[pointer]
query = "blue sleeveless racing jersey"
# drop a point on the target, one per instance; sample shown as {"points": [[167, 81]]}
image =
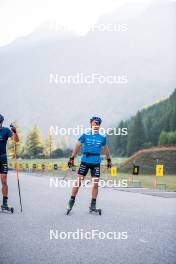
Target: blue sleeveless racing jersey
{"points": [[5, 133], [92, 144]]}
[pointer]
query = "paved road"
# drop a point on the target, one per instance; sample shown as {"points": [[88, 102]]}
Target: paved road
{"points": [[150, 223], [147, 191]]}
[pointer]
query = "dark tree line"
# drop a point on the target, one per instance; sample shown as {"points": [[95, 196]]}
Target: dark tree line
{"points": [[35, 146], [149, 127]]}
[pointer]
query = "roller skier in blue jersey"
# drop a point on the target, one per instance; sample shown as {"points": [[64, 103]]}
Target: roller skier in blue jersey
{"points": [[91, 143], [5, 134]]}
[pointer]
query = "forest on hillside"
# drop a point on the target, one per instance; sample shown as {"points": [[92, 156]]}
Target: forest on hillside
{"points": [[153, 126]]}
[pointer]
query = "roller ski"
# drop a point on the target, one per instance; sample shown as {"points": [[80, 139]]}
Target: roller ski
{"points": [[70, 205], [93, 208], [6, 208]]}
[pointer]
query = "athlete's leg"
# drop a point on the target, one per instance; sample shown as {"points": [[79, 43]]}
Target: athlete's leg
{"points": [[95, 173], [83, 169], [77, 184], [4, 188], [3, 173], [82, 172], [95, 181], [75, 189], [4, 184]]}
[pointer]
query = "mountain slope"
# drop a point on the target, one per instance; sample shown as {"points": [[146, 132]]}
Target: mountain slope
{"points": [[148, 158], [153, 120], [145, 53]]}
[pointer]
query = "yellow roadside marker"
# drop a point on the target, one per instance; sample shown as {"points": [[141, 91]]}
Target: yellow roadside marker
{"points": [[30, 166], [64, 167], [24, 166], [113, 171], [135, 170], [160, 170], [43, 166], [50, 166], [39, 166]]}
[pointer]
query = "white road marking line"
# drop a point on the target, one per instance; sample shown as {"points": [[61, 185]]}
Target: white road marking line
{"points": [[143, 240]]}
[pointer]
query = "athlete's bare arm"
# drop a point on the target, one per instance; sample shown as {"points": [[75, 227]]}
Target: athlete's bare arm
{"points": [[76, 149], [106, 151], [15, 137], [14, 133]]}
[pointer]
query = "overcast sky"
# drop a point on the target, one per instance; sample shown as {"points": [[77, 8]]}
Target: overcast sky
{"points": [[21, 17]]}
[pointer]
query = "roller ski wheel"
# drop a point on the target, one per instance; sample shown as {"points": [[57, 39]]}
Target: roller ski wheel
{"points": [[68, 211], [95, 210], [7, 209], [70, 206]]}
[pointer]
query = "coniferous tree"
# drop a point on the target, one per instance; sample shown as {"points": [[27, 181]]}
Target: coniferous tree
{"points": [[136, 137], [172, 120], [163, 139], [49, 146], [20, 144], [34, 145]]}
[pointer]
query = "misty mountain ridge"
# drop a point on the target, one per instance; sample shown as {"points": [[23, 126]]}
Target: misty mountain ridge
{"points": [[144, 52]]}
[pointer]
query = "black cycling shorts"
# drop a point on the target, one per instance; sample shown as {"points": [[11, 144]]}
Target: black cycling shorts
{"points": [[3, 167], [94, 169]]}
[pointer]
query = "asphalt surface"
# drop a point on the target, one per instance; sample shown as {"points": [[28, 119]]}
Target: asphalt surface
{"points": [[31, 237], [153, 192]]}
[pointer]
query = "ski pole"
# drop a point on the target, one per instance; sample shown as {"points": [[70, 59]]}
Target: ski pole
{"points": [[17, 175]]}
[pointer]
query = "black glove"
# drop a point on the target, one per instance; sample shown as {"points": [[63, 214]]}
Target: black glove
{"points": [[71, 162], [109, 163], [13, 128]]}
